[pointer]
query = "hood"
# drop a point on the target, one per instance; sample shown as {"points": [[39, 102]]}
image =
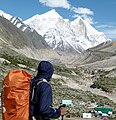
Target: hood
{"points": [[45, 70]]}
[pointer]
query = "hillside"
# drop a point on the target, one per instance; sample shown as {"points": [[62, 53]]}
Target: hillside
{"points": [[68, 83], [28, 43], [102, 55], [100, 63]]}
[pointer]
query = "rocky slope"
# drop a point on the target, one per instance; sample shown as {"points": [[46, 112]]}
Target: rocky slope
{"points": [[26, 43], [103, 55]]}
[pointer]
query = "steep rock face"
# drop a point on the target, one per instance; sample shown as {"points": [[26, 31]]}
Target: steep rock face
{"points": [[12, 36], [28, 43], [64, 35], [35, 39]]}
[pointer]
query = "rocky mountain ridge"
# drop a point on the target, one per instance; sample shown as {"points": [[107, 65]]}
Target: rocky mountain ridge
{"points": [[30, 44], [62, 35]]}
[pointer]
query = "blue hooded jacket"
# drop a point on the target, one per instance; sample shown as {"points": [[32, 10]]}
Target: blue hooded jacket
{"points": [[42, 100]]}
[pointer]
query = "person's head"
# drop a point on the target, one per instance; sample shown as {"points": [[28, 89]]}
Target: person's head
{"points": [[45, 70]]}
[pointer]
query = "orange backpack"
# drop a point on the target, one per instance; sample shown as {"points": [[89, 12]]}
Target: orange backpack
{"points": [[16, 92]]}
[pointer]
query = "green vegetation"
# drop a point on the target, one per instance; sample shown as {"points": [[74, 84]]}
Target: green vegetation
{"points": [[15, 60], [82, 100], [62, 70], [106, 83], [77, 96], [67, 72]]}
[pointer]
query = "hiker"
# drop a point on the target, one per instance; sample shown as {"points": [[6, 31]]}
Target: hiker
{"points": [[41, 105]]}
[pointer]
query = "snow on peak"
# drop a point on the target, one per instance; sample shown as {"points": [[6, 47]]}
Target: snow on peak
{"points": [[78, 19], [5, 15], [52, 13], [60, 33], [41, 23]]}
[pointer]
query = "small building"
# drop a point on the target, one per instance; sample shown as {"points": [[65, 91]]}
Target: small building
{"points": [[67, 102], [87, 115]]}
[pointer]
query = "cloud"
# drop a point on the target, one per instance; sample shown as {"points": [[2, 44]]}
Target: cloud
{"points": [[106, 26], [84, 13], [56, 3], [85, 17], [81, 10], [109, 30], [88, 19]]}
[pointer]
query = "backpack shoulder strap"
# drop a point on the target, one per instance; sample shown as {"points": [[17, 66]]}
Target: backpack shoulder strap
{"points": [[33, 89], [40, 81]]}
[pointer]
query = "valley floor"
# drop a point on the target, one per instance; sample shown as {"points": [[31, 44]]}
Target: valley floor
{"points": [[85, 86]]}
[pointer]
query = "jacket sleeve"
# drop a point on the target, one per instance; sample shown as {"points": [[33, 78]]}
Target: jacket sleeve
{"points": [[45, 102]]}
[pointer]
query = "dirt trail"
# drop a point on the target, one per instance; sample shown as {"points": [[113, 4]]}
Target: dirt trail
{"points": [[85, 86]]}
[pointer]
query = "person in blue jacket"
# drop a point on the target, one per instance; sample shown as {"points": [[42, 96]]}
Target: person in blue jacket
{"points": [[41, 104]]}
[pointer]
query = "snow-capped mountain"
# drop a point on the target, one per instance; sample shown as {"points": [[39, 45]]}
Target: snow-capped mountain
{"points": [[65, 35], [15, 21], [61, 34]]}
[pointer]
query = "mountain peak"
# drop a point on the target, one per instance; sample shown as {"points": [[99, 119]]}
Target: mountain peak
{"points": [[52, 13], [77, 35], [68, 36], [78, 20]]}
